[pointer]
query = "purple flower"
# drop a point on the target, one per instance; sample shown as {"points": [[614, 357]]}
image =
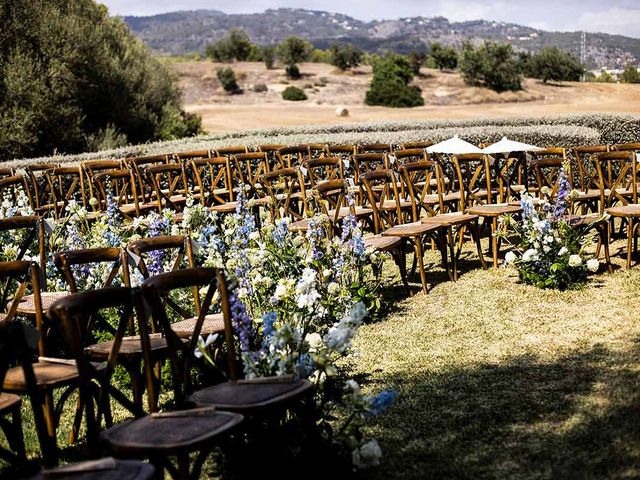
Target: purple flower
{"points": [[241, 322], [564, 188]]}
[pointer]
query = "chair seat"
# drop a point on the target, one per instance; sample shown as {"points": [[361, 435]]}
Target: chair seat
{"points": [[391, 204], [244, 395], [632, 210], [8, 400], [580, 220], [381, 243], [229, 207], [27, 305], [156, 433], [130, 347], [450, 219], [411, 229], [48, 374], [212, 324], [494, 210], [591, 194], [103, 469], [300, 225], [344, 211]]}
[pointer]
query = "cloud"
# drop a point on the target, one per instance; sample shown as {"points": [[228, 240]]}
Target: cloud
{"points": [[621, 21]]}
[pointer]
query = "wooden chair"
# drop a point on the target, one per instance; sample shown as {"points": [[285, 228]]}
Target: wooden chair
{"points": [[72, 264], [292, 156], [66, 185], [7, 172], [318, 170], [157, 436], [39, 186], [230, 151], [392, 216], [585, 165], [11, 187], [269, 151], [120, 185], [213, 183], [375, 148], [192, 155], [249, 397], [286, 190], [344, 153], [90, 168], [477, 192], [170, 185], [398, 158], [419, 176], [144, 184], [618, 182], [245, 171]]}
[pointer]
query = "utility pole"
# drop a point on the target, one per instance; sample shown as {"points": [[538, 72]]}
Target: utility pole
{"points": [[583, 54]]}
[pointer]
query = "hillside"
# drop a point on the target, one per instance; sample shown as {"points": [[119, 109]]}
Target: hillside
{"points": [[191, 31]]}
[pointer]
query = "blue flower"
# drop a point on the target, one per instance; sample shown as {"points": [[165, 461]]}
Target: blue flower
{"points": [[382, 401], [268, 320], [241, 322]]}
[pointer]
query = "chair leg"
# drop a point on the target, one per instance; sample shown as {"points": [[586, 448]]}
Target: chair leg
{"points": [[475, 233], [629, 241], [494, 241], [604, 240], [400, 258], [417, 242], [17, 442]]}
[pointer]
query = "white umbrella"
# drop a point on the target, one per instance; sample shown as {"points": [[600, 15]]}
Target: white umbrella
{"points": [[454, 146], [508, 146]]}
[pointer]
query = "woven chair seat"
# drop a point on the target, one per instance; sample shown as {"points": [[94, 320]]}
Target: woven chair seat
{"points": [[632, 210], [212, 324], [344, 211], [380, 243], [48, 374], [156, 433], [494, 210], [244, 395], [411, 229], [27, 304], [448, 219], [103, 469], [8, 400], [130, 346]]}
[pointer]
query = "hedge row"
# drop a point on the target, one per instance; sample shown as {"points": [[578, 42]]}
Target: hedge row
{"points": [[568, 130]]}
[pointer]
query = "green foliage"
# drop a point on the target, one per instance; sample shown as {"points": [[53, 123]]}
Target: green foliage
{"points": [[294, 94], [553, 64], [390, 85], [68, 71], [630, 74], [294, 50], [492, 65], [604, 77], [293, 72], [268, 56], [445, 58], [320, 56], [260, 88], [345, 56], [416, 60], [227, 78], [235, 46]]}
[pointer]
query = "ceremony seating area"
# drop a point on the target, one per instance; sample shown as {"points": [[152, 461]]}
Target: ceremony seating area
{"points": [[407, 201]]}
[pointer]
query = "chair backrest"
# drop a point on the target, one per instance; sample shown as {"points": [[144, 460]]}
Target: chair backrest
{"points": [[170, 185], [474, 179], [617, 178], [584, 159], [375, 148], [332, 196], [318, 170], [270, 150], [368, 162], [120, 185], [286, 188], [382, 187], [547, 167], [626, 147], [245, 169], [400, 157], [509, 174], [66, 184], [33, 236], [158, 247], [212, 180], [69, 262], [89, 168], [229, 151], [11, 187], [39, 186], [156, 292], [417, 144], [292, 156], [184, 156], [144, 184], [419, 179]]}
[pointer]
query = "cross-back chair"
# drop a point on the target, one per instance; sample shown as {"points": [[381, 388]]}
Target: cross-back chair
{"points": [[375, 148], [89, 169], [318, 170], [144, 184], [39, 186], [292, 156], [66, 185], [11, 187], [585, 159], [213, 183], [120, 186], [245, 171], [286, 191], [170, 185]]}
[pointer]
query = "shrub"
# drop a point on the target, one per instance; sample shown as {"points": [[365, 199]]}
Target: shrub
{"points": [[416, 60], [345, 56], [553, 64], [630, 75], [68, 71], [294, 50], [260, 88], [235, 46], [444, 57], [390, 85], [604, 77], [227, 78], [268, 56], [294, 94], [492, 65]]}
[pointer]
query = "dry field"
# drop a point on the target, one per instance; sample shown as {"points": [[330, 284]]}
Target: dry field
{"points": [[446, 97]]}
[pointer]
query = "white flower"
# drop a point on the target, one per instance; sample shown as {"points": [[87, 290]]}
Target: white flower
{"points": [[314, 340], [333, 288], [530, 255], [204, 344], [544, 190], [548, 239], [563, 251], [575, 261], [326, 273], [368, 455], [510, 257], [593, 265], [93, 201], [254, 236]]}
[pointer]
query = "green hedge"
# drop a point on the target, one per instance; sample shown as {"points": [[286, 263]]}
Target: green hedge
{"points": [[567, 130]]}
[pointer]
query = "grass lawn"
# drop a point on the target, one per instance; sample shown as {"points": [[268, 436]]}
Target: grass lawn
{"points": [[502, 380], [499, 380]]}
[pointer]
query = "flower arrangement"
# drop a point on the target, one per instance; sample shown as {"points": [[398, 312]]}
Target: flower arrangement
{"points": [[549, 253]]}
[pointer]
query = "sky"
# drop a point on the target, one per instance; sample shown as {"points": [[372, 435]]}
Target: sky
{"points": [[609, 16]]}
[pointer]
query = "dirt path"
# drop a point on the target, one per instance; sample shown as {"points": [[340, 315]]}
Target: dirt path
{"points": [[445, 94]]}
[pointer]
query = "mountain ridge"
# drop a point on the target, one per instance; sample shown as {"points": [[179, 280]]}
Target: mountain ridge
{"points": [[187, 31]]}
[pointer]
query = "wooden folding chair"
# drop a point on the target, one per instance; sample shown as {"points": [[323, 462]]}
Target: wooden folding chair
{"points": [[170, 185], [584, 159], [286, 190], [66, 186], [292, 156], [39, 187], [144, 184], [120, 185]]}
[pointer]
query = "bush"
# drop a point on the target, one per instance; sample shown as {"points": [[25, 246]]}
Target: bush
{"points": [[260, 88], [345, 56], [492, 65], [69, 72], [268, 56], [235, 46], [390, 85], [630, 75], [604, 77], [444, 57], [227, 78], [553, 64], [294, 94], [294, 50], [416, 60]]}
